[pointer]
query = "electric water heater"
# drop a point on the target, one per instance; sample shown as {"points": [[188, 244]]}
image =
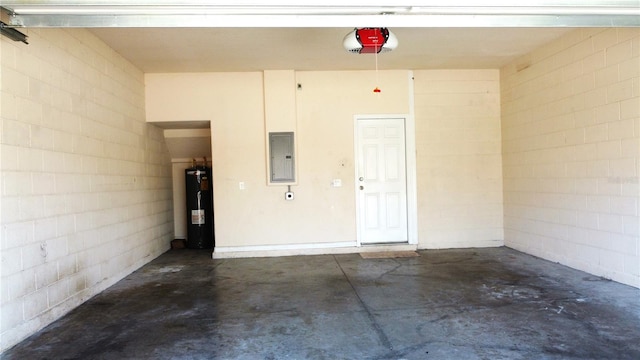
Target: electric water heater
{"points": [[200, 234]]}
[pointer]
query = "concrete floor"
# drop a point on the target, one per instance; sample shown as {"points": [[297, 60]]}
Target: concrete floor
{"points": [[451, 304]]}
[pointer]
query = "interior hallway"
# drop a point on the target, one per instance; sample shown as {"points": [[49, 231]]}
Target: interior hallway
{"points": [[492, 303]]}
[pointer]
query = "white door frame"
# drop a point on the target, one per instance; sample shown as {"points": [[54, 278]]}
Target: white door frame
{"points": [[410, 158]]}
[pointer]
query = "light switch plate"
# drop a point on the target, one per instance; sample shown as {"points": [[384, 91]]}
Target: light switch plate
{"points": [[241, 185], [336, 182]]}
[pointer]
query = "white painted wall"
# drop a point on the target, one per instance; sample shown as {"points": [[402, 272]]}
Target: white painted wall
{"points": [[570, 115], [459, 158], [85, 182]]}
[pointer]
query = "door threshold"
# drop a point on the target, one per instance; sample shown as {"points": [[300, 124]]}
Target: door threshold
{"points": [[379, 247], [386, 243]]}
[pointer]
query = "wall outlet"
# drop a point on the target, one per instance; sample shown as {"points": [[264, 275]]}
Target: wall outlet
{"points": [[288, 195]]}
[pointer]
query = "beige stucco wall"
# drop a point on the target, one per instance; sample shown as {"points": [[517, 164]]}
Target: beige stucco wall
{"points": [[325, 106], [457, 137]]}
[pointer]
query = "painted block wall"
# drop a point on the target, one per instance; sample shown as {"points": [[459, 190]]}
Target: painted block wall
{"points": [[85, 181], [570, 129], [458, 143]]}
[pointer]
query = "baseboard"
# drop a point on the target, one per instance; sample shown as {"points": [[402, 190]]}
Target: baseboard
{"points": [[305, 249]]}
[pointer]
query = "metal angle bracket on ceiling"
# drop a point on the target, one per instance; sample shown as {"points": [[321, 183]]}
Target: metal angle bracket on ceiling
{"points": [[9, 30], [12, 33]]}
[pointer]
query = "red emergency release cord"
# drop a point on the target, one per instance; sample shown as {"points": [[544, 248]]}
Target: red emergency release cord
{"points": [[377, 89]]}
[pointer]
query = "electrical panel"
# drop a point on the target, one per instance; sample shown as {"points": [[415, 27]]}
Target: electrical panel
{"points": [[281, 152]]}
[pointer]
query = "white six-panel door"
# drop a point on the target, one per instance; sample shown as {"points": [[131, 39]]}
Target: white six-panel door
{"points": [[381, 185]]}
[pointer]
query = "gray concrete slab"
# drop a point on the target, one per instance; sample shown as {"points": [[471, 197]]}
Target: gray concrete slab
{"points": [[446, 304]]}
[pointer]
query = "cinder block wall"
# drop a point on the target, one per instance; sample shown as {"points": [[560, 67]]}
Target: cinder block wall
{"points": [[459, 158], [570, 133], [86, 183]]}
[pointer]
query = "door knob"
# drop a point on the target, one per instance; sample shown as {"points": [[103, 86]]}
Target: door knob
{"points": [[361, 187]]}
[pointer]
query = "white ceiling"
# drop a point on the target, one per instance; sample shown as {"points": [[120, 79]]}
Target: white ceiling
{"points": [[159, 50]]}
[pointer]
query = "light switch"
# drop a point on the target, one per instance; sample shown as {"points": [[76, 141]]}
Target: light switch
{"points": [[336, 182], [241, 185]]}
